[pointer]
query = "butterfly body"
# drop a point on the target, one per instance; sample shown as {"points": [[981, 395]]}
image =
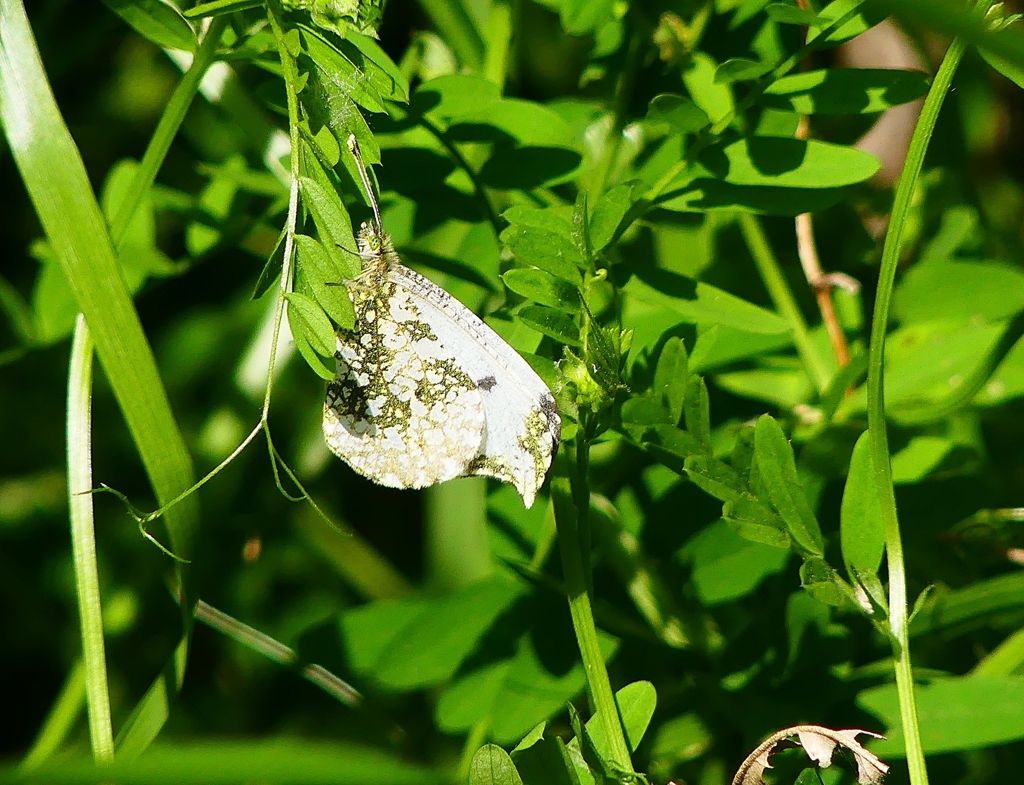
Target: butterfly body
{"points": [[425, 391]]}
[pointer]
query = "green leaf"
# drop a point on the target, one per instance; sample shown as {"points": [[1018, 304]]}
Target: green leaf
{"points": [[307, 317], [921, 456], [156, 21], [755, 522], [716, 478], [738, 69], [375, 64], [585, 746], [492, 766], [975, 605], [54, 306], [713, 98], [671, 376], [608, 213], [514, 120], [636, 703], [697, 412], [951, 289], [272, 269], [406, 644], [1008, 68], [543, 288], [727, 566], [324, 279], [788, 163], [339, 71], [528, 167], [705, 195], [845, 90], [672, 446], [954, 714], [775, 461], [860, 519], [580, 17], [696, 302], [456, 95], [860, 21], [787, 14], [682, 114], [825, 585], [514, 693], [344, 16], [333, 225], [536, 734], [219, 7], [785, 387], [533, 247], [643, 411], [327, 103], [551, 323]]}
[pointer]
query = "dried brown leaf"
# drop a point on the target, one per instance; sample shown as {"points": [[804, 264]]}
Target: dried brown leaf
{"points": [[820, 744]]}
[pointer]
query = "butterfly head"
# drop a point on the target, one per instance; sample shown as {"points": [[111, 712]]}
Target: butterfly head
{"points": [[375, 245]]}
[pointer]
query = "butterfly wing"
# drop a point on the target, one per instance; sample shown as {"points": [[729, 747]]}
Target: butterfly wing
{"points": [[522, 423], [402, 410]]}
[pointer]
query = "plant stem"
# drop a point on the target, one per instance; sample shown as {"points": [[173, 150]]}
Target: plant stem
{"points": [[174, 114], [277, 652], [83, 543], [876, 409], [568, 518], [291, 79], [782, 297]]}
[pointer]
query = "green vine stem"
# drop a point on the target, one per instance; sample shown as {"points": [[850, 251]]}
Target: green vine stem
{"points": [[782, 297], [876, 409], [291, 79], [83, 543], [565, 494], [170, 121]]}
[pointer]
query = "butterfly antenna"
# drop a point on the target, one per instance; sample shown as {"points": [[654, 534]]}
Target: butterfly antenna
{"points": [[353, 147]]}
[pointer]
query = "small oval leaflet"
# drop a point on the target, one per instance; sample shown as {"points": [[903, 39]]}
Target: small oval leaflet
{"points": [[425, 391]]}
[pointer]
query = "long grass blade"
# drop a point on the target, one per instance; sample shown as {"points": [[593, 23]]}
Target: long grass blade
{"points": [[55, 177]]}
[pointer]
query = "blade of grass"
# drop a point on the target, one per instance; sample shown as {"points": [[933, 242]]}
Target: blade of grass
{"points": [[878, 435], [55, 178], [83, 543], [59, 722]]}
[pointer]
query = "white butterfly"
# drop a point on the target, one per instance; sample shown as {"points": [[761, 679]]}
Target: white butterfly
{"points": [[425, 391]]}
